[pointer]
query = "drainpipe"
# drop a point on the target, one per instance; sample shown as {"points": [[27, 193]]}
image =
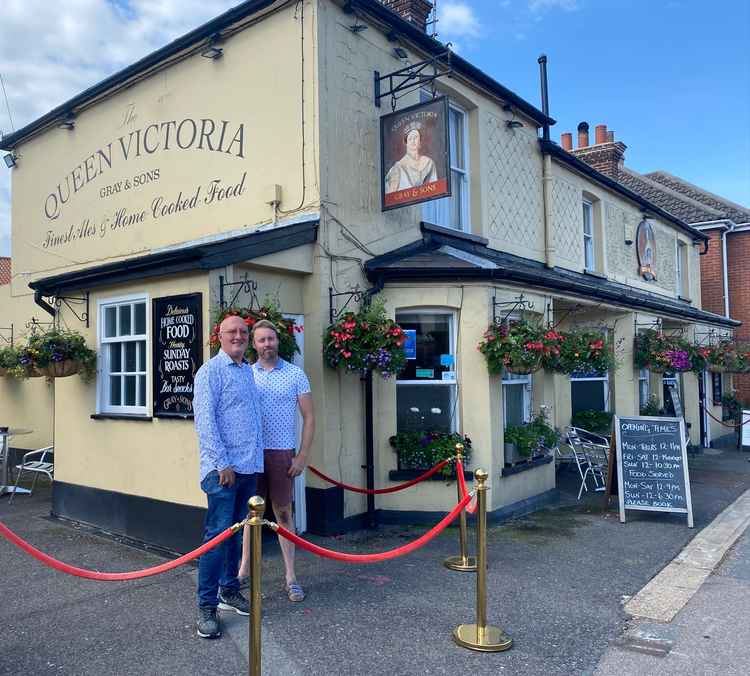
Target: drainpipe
{"points": [[725, 266], [549, 248]]}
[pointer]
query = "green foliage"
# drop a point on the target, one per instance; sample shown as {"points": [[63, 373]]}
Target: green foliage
{"points": [[593, 421], [658, 352], [366, 340], [516, 346], [732, 407], [523, 347], [651, 407], [423, 450], [528, 437], [44, 350], [286, 329]]}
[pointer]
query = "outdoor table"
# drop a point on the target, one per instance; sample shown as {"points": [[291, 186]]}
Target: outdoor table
{"points": [[5, 486]]}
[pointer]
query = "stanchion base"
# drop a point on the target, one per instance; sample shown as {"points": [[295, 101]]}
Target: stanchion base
{"points": [[467, 565], [492, 640]]}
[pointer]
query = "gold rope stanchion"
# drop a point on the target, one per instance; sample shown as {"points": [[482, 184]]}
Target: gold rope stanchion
{"points": [[481, 636], [462, 562], [257, 507]]}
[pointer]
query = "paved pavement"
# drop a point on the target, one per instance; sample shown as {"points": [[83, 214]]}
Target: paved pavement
{"points": [[558, 580]]}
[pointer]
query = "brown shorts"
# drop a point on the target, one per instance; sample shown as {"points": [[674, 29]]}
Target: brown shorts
{"points": [[275, 483]]}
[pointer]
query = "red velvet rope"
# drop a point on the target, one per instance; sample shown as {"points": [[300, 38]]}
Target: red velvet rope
{"points": [[380, 491], [472, 507], [380, 556], [721, 422], [111, 577]]}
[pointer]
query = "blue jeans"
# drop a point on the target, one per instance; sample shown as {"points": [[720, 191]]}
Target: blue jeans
{"points": [[226, 506]]}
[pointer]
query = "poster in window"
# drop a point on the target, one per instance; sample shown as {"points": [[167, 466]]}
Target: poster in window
{"points": [[415, 154], [178, 353]]}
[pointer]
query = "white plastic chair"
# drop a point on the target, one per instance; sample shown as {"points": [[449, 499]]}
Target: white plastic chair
{"points": [[38, 462]]}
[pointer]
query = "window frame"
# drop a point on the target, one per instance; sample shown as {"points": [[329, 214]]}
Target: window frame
{"points": [[644, 378], [527, 383], [103, 371], [452, 337], [681, 272], [589, 237], [428, 208], [605, 383]]}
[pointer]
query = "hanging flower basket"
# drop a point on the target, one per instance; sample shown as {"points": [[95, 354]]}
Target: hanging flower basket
{"points": [[61, 369], [54, 354], [286, 328], [658, 352], [366, 341], [728, 357], [516, 346], [583, 351]]}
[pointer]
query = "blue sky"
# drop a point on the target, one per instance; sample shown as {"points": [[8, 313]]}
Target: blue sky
{"points": [[670, 77]]}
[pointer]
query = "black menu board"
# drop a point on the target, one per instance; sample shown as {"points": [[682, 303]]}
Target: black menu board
{"points": [[178, 353], [652, 469]]}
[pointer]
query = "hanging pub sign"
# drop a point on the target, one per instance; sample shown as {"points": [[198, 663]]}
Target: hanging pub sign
{"points": [[178, 353], [415, 154], [645, 240]]}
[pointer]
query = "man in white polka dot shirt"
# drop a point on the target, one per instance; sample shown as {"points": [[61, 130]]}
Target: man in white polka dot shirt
{"points": [[283, 388]]}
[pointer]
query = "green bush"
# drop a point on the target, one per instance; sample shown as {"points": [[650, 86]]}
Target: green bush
{"points": [[423, 450], [593, 421], [651, 407], [529, 436]]}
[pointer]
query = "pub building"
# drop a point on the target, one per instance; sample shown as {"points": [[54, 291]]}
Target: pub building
{"points": [[275, 152]]}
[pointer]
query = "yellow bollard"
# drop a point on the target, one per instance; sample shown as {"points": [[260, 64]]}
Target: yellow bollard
{"points": [[257, 507], [462, 562], [481, 636]]}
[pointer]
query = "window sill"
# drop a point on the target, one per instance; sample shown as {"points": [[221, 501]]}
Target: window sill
{"points": [[409, 474], [685, 299], [594, 273], [525, 466], [121, 416]]}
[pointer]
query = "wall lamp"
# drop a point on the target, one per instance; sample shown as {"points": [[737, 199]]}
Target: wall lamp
{"points": [[68, 122], [513, 124], [211, 51], [10, 160], [400, 52]]}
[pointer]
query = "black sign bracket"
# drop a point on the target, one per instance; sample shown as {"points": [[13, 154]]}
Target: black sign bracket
{"points": [[7, 338], [357, 295], [401, 82], [245, 285], [517, 304]]}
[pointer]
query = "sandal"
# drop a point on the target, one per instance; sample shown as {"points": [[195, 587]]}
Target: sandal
{"points": [[294, 592]]}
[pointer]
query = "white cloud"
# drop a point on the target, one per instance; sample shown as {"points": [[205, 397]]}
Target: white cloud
{"points": [[539, 6], [457, 19], [49, 52]]}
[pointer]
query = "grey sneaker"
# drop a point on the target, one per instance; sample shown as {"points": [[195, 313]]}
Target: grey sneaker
{"points": [[233, 600], [208, 623]]}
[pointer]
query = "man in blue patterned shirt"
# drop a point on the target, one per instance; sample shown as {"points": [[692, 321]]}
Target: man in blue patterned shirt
{"points": [[284, 389], [230, 437]]}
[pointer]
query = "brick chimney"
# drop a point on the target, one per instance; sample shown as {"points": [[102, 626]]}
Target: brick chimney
{"points": [[606, 155], [414, 11]]}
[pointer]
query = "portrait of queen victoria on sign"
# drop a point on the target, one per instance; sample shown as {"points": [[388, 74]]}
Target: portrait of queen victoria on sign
{"points": [[415, 162]]}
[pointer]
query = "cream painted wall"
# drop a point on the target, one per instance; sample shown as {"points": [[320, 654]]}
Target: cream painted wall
{"points": [[255, 87], [156, 458], [24, 403]]}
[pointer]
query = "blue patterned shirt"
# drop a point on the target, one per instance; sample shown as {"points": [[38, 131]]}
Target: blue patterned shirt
{"points": [[227, 417], [279, 389]]}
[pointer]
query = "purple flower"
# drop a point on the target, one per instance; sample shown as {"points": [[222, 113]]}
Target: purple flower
{"points": [[679, 359], [24, 360], [57, 356]]}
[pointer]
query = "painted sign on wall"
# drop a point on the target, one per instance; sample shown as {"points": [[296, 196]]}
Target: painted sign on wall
{"points": [[178, 353], [645, 240], [415, 154]]}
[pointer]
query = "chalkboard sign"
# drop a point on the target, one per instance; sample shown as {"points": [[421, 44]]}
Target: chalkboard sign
{"points": [[178, 353], [674, 394], [652, 469]]}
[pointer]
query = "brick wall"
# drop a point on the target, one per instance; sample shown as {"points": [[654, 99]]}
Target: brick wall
{"points": [[738, 257], [712, 275], [4, 270]]}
